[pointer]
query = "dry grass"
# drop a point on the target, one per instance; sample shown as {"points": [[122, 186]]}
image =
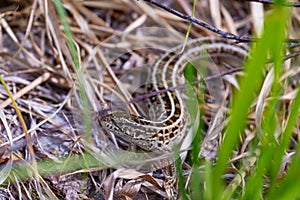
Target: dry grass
{"points": [[38, 68]]}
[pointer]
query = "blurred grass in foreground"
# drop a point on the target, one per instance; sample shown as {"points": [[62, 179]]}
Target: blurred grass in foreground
{"points": [[267, 151]]}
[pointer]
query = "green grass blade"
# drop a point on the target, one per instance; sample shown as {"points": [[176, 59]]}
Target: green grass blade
{"points": [[289, 187], [72, 48], [250, 84]]}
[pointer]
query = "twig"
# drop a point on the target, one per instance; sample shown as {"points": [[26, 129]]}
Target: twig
{"points": [[169, 89], [292, 42], [200, 23]]}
